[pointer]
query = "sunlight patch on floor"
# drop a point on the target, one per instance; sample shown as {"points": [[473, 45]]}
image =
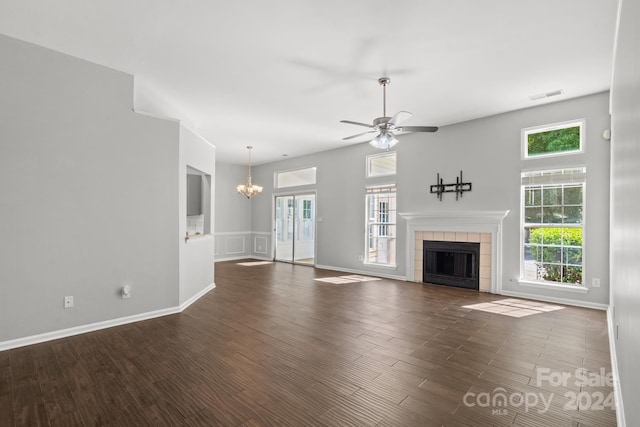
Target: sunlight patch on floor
{"points": [[354, 278], [514, 307], [252, 263]]}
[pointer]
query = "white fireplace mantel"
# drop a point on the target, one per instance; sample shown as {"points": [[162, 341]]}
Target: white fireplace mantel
{"points": [[440, 217], [470, 221]]}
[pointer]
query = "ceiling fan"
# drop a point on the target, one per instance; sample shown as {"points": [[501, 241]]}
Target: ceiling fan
{"points": [[386, 128]]}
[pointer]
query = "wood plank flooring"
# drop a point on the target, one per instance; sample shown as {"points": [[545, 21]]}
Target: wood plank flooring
{"points": [[270, 346]]}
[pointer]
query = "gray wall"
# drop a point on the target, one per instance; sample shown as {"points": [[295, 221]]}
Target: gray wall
{"points": [[88, 195], [196, 253], [625, 208], [233, 238], [488, 151]]}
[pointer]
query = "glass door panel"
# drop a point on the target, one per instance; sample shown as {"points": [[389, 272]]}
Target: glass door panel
{"points": [[305, 215], [295, 218], [284, 228]]}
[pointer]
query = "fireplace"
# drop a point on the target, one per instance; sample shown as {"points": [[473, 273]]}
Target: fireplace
{"points": [[451, 263], [484, 227]]}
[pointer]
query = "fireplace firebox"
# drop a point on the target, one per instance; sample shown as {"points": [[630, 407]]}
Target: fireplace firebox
{"points": [[451, 263]]}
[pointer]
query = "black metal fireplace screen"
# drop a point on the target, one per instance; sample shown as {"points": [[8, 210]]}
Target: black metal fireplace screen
{"points": [[451, 263]]}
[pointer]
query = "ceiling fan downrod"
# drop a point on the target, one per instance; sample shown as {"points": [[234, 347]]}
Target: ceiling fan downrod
{"points": [[384, 81]]}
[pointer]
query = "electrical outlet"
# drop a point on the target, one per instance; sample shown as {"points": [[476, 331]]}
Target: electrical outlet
{"points": [[595, 283], [68, 302], [126, 291], [361, 258]]}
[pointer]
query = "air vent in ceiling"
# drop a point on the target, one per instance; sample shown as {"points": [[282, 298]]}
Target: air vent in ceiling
{"points": [[546, 95]]}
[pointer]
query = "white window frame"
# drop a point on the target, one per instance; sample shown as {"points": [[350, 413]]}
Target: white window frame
{"points": [[281, 177], [552, 177], [549, 127], [375, 218], [373, 157]]}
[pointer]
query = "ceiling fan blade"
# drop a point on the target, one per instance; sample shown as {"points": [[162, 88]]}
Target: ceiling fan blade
{"points": [[400, 117], [356, 123], [417, 129], [360, 134]]}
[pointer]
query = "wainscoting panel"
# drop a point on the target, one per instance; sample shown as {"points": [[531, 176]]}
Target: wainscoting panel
{"points": [[260, 245], [235, 245], [232, 245], [242, 244]]}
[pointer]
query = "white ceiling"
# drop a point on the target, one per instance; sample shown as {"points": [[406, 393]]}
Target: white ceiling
{"points": [[279, 75]]}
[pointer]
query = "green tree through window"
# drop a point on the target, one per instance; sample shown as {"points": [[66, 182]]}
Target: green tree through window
{"points": [[558, 254], [558, 139]]}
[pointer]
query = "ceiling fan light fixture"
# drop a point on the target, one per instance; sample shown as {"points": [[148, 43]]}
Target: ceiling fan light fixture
{"points": [[387, 127], [384, 141]]}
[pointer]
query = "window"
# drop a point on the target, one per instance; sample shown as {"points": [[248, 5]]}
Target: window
{"points": [[306, 209], [381, 225], [290, 218], [294, 178], [552, 225], [381, 164], [551, 140], [197, 202], [383, 219]]}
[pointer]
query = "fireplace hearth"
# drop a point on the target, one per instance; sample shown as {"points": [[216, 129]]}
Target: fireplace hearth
{"points": [[451, 263]]}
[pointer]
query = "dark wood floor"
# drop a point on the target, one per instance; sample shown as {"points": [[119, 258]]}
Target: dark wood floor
{"points": [[271, 346]]}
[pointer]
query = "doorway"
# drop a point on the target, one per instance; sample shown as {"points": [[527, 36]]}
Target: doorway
{"points": [[295, 228]]}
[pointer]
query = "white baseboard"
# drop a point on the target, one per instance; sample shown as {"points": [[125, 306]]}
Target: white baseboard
{"points": [[565, 301], [196, 297], [614, 370], [362, 272], [91, 327]]}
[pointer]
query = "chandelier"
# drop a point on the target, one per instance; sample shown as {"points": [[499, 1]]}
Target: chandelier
{"points": [[248, 189]]}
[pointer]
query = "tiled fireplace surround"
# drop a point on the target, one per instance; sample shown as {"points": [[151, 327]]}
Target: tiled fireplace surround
{"points": [[484, 227]]}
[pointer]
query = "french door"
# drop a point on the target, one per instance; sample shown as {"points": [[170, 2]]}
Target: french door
{"points": [[295, 228]]}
